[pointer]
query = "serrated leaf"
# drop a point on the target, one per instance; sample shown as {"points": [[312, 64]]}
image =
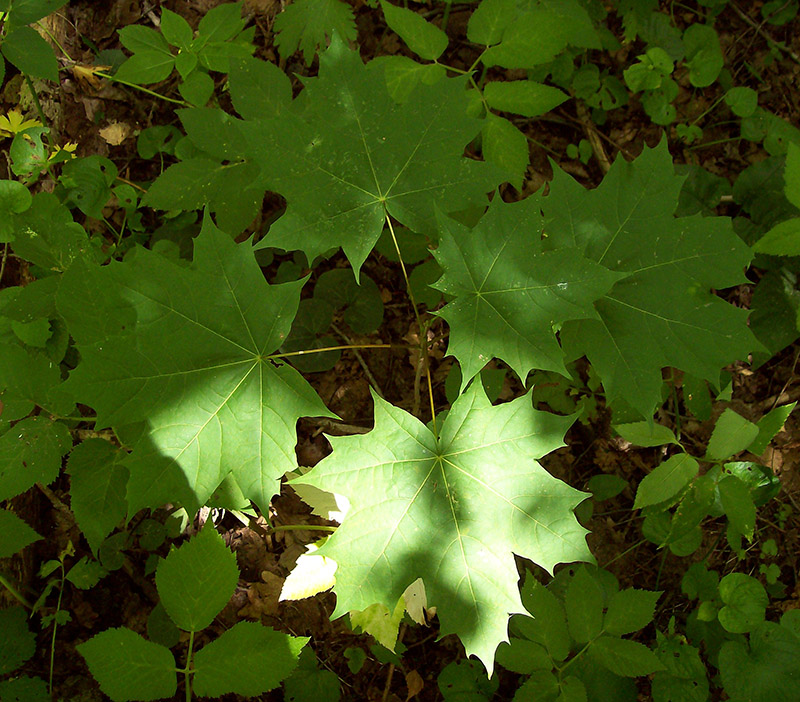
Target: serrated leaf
{"points": [[197, 368], [249, 659], [309, 683], [403, 74], [666, 480], [685, 676], [629, 610], [506, 147], [663, 310], [307, 24], [31, 453], [523, 97], [510, 295], [732, 434], [146, 66], [489, 20], [584, 605], [196, 580], [478, 487], [311, 574], [622, 657], [782, 240], [16, 534], [423, 38], [346, 154], [646, 434], [24, 689], [97, 489], [25, 48], [769, 425], [745, 603], [791, 174], [522, 656], [548, 622], [29, 11], [128, 667], [380, 622], [738, 505], [175, 29], [18, 643]]}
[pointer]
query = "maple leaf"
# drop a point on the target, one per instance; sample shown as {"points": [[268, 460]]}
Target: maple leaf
{"points": [[452, 510], [662, 312], [306, 24], [510, 294], [195, 369], [345, 153]]}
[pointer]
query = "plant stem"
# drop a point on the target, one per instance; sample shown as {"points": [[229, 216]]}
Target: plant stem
{"points": [[3, 262], [287, 354], [304, 527], [55, 628], [153, 93], [16, 594], [420, 326], [188, 670]]}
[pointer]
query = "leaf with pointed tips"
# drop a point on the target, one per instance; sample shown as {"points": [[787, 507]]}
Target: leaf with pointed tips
{"points": [[452, 510], [197, 368]]}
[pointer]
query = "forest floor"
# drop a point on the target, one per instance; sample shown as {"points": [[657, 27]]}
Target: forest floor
{"points": [[81, 112]]}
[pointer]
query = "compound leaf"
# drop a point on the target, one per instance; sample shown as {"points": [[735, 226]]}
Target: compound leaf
{"points": [[346, 153], [423, 38], [663, 310], [452, 510], [129, 667], [196, 367], [666, 480], [510, 295], [629, 610], [626, 658]]}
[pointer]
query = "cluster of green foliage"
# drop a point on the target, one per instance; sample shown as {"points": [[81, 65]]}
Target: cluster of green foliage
{"points": [[196, 362]]}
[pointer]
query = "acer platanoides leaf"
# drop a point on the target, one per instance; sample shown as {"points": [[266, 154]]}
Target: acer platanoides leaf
{"points": [[663, 311], [510, 295], [196, 369], [452, 510]]}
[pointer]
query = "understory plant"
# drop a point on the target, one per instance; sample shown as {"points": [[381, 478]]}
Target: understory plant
{"points": [[171, 367]]}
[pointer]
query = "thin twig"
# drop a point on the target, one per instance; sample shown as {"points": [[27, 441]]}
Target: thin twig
{"points": [[592, 135], [763, 33], [362, 362]]}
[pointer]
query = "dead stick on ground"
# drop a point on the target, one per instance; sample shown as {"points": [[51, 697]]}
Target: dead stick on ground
{"points": [[361, 360], [761, 31], [592, 135]]}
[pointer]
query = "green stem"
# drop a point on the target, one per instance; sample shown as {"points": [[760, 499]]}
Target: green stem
{"points": [[16, 594], [572, 660], [3, 262], [624, 553], [55, 629], [420, 326], [188, 670], [55, 41], [287, 354], [446, 15], [304, 527], [707, 110], [154, 94], [43, 120]]}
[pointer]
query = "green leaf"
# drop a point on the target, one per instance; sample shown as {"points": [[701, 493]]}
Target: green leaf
{"points": [[259, 89], [24, 688], [31, 453], [362, 302], [622, 657], [30, 11], [489, 20], [742, 101], [782, 240], [380, 622], [14, 199], [502, 309], [197, 89], [463, 681], [584, 604], [791, 174], [175, 29], [738, 505], [629, 610], [16, 534], [745, 603], [30, 53], [604, 486], [128, 667], [685, 675], [764, 671], [523, 97], [646, 434], [424, 485], [537, 35], [197, 368], [196, 580], [236, 661], [97, 489], [18, 643], [522, 656], [732, 434], [506, 147], [547, 624], [768, 426], [541, 686], [662, 311], [666, 480], [137, 38], [423, 38], [307, 24], [703, 54], [403, 74], [346, 154], [219, 24], [309, 683]]}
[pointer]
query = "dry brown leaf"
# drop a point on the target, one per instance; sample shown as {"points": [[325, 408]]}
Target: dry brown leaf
{"points": [[414, 683], [87, 75], [115, 133]]}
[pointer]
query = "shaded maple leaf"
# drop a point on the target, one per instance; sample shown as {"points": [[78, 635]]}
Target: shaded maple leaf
{"points": [[195, 368], [452, 510]]}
